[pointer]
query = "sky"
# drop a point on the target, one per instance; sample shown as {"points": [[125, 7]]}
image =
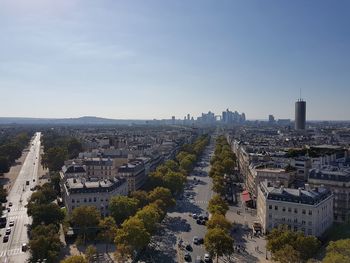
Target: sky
{"points": [[157, 59]]}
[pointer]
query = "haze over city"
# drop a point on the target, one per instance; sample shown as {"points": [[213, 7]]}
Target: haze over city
{"points": [[157, 59]]}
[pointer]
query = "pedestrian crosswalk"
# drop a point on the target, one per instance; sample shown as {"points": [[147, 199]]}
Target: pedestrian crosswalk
{"points": [[193, 201], [15, 209], [11, 252], [12, 218]]}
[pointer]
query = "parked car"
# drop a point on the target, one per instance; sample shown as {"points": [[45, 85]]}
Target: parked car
{"points": [[195, 240], [195, 216], [8, 231], [10, 203], [199, 222], [206, 258], [200, 240], [187, 257], [24, 247], [5, 239], [188, 247], [12, 223], [198, 259]]}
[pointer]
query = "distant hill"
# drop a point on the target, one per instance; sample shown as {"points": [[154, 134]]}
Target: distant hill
{"points": [[86, 120]]}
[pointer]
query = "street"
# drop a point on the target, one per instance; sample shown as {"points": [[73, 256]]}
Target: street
{"points": [[11, 251]]}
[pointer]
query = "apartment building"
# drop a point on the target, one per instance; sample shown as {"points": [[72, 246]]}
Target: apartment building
{"points": [[92, 192], [134, 173], [99, 167], [338, 180], [306, 210]]}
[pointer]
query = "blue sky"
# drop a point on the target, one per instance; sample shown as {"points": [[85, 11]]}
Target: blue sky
{"points": [[155, 59]]}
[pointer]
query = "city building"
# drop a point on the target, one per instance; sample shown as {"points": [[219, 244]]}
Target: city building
{"points": [[307, 210], [300, 114], [92, 192], [338, 180], [99, 167], [271, 119], [135, 174]]}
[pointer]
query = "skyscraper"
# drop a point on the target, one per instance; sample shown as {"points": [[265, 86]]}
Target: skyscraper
{"points": [[300, 114]]}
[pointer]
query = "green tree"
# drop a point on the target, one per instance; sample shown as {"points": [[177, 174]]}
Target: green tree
{"points": [[74, 259], [122, 207], [44, 243], [175, 181], [219, 221], [4, 165], [90, 252], [108, 230], [141, 197], [217, 242], [172, 165], [45, 213], [86, 219], [219, 185], [287, 254], [74, 147], [162, 194], [54, 158], [338, 251], [132, 236], [217, 205], [150, 216]]}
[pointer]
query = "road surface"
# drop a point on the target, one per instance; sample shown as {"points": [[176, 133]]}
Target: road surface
{"points": [[11, 251]]}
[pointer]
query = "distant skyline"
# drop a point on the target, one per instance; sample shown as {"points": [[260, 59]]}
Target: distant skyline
{"points": [[155, 59]]}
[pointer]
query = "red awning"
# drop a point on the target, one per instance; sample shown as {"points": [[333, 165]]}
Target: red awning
{"points": [[246, 196]]}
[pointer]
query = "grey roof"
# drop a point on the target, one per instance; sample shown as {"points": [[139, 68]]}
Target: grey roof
{"points": [[330, 173], [310, 197], [93, 185]]}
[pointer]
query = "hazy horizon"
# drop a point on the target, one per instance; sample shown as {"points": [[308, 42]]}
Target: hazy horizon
{"points": [[157, 59]]}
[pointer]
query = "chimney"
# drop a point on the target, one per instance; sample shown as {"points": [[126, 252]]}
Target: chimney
{"points": [[299, 191], [307, 187]]}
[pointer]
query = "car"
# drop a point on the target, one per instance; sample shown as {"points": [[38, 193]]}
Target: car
{"points": [[195, 240], [33, 180], [198, 259], [195, 216], [12, 223], [8, 209], [8, 231], [205, 218], [200, 217], [200, 240], [199, 222], [206, 258], [24, 247], [5, 239], [10, 203], [187, 257], [203, 222], [188, 247]]}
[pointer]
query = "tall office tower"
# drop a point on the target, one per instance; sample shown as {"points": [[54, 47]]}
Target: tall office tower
{"points": [[300, 114], [271, 119]]}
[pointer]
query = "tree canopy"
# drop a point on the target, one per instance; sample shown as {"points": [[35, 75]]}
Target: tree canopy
{"points": [[122, 207], [338, 251]]}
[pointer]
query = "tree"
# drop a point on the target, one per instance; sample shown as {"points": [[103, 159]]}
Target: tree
{"points": [[45, 243], [175, 181], [219, 221], [132, 236], [150, 216], [218, 185], [122, 207], [186, 164], [287, 254], [162, 194], [90, 252], [108, 230], [54, 158], [338, 252], [278, 238], [86, 219], [172, 165], [4, 165], [45, 213], [217, 205], [217, 242], [141, 197], [74, 259], [74, 147]]}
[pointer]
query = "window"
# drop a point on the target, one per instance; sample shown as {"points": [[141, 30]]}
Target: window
{"points": [[95, 199], [295, 220], [304, 211], [289, 209], [303, 222], [289, 227], [78, 201], [310, 212], [84, 200], [303, 230], [283, 219], [73, 201], [309, 231], [276, 207], [270, 215], [90, 200], [284, 209], [295, 210], [295, 229], [310, 223], [270, 206]]}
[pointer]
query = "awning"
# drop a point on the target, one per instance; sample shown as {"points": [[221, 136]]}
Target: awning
{"points": [[246, 196]]}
